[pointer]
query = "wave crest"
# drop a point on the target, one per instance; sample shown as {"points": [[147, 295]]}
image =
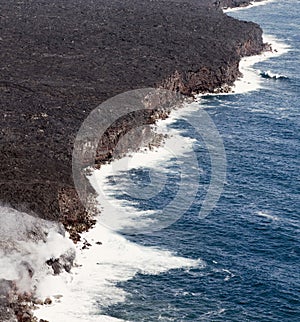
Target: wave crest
{"points": [[269, 75]]}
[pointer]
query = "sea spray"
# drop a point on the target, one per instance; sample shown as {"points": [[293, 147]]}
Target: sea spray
{"points": [[109, 259], [27, 243]]}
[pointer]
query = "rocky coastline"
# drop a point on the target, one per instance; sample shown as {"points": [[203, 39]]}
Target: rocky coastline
{"points": [[59, 61], [234, 3]]}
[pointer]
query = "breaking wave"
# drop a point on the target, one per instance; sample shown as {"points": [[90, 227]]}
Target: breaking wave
{"points": [[93, 286], [269, 75]]}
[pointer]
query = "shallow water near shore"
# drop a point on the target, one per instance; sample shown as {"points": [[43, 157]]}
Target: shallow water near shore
{"points": [[240, 263]]}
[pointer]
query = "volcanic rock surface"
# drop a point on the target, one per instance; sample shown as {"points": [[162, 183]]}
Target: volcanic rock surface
{"points": [[60, 59]]}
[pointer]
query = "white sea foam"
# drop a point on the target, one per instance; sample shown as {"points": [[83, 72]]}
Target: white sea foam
{"points": [[251, 79], [93, 282], [118, 214], [251, 5]]}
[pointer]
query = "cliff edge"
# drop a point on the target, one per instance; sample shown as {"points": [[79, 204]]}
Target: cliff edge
{"points": [[59, 60]]}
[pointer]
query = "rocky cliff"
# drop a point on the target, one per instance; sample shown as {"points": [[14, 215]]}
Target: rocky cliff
{"points": [[60, 60]]}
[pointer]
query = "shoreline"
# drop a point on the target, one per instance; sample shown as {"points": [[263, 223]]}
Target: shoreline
{"points": [[251, 5], [99, 230], [102, 265], [251, 79], [80, 245]]}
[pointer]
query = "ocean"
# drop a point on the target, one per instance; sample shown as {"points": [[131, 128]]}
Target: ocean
{"points": [[241, 261]]}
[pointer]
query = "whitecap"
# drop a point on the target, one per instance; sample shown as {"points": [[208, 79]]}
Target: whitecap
{"points": [[270, 75], [266, 215], [93, 283]]}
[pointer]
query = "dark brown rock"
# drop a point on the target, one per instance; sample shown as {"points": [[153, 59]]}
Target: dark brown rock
{"points": [[48, 301], [59, 61]]}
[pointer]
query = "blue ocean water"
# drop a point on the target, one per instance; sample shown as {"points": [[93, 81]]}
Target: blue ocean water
{"points": [[250, 241]]}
